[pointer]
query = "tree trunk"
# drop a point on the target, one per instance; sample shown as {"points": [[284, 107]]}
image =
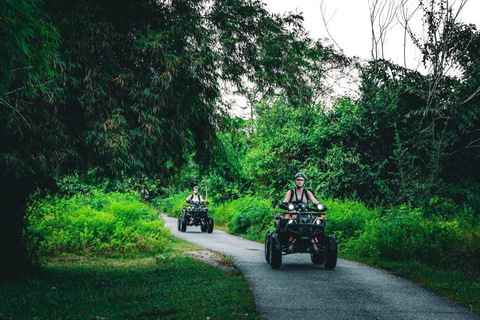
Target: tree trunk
{"points": [[15, 260]]}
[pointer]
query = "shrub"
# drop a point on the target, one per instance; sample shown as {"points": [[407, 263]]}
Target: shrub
{"points": [[104, 224], [405, 234], [223, 213], [347, 219], [171, 205], [252, 217], [396, 235]]}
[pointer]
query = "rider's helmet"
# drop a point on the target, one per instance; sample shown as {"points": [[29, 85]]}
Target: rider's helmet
{"points": [[300, 175], [195, 188]]}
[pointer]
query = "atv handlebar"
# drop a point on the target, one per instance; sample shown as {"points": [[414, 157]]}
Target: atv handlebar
{"points": [[284, 205], [201, 203], [320, 207]]}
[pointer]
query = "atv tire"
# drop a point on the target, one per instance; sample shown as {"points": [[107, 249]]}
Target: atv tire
{"points": [[210, 225], [267, 247], [332, 252], [183, 225], [275, 253]]}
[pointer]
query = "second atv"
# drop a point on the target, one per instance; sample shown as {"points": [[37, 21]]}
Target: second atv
{"points": [[195, 214]]}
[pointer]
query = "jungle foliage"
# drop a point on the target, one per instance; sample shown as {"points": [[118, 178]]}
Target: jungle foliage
{"points": [[129, 88], [403, 156], [134, 90], [95, 224]]}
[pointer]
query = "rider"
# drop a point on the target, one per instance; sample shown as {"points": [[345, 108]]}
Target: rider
{"points": [[144, 194], [195, 196], [299, 193]]}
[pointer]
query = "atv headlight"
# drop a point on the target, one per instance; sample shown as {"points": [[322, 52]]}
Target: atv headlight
{"points": [[321, 207], [291, 206]]}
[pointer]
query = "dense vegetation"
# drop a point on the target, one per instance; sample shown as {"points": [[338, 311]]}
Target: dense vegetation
{"points": [[115, 224], [128, 88], [397, 166], [137, 93]]}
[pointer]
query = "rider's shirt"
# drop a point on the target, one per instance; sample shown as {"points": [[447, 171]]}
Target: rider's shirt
{"points": [[296, 199], [196, 198]]}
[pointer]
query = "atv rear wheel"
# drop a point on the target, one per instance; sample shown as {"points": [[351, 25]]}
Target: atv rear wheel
{"points": [[332, 252]]}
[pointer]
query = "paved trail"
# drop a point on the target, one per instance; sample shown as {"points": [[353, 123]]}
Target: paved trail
{"points": [[302, 290]]}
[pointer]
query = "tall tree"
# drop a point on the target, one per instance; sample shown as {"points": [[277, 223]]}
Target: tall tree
{"points": [[28, 61]]}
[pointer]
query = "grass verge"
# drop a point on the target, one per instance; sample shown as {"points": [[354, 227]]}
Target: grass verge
{"points": [[173, 285], [456, 286]]}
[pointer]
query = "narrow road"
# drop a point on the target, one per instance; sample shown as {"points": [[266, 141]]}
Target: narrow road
{"points": [[302, 290]]}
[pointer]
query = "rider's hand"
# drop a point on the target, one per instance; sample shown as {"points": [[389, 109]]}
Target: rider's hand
{"points": [[284, 205]]}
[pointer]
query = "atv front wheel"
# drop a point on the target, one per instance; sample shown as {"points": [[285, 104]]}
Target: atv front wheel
{"points": [[332, 252], [183, 225], [179, 221], [267, 247], [210, 225], [275, 253]]}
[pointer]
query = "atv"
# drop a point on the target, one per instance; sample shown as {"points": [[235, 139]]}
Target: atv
{"points": [[195, 214], [301, 230]]}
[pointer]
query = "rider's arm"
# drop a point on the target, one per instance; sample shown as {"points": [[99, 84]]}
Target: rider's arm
{"points": [[189, 197], [287, 197], [200, 197], [312, 197]]}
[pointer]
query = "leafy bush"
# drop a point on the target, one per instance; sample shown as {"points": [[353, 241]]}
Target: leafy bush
{"points": [[347, 219], [171, 205], [104, 224], [250, 216], [224, 213], [405, 234]]}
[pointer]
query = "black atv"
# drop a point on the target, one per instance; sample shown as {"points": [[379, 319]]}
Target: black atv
{"points": [[195, 214], [301, 230]]}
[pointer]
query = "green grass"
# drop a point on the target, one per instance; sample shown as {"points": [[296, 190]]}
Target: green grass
{"points": [[173, 285]]}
